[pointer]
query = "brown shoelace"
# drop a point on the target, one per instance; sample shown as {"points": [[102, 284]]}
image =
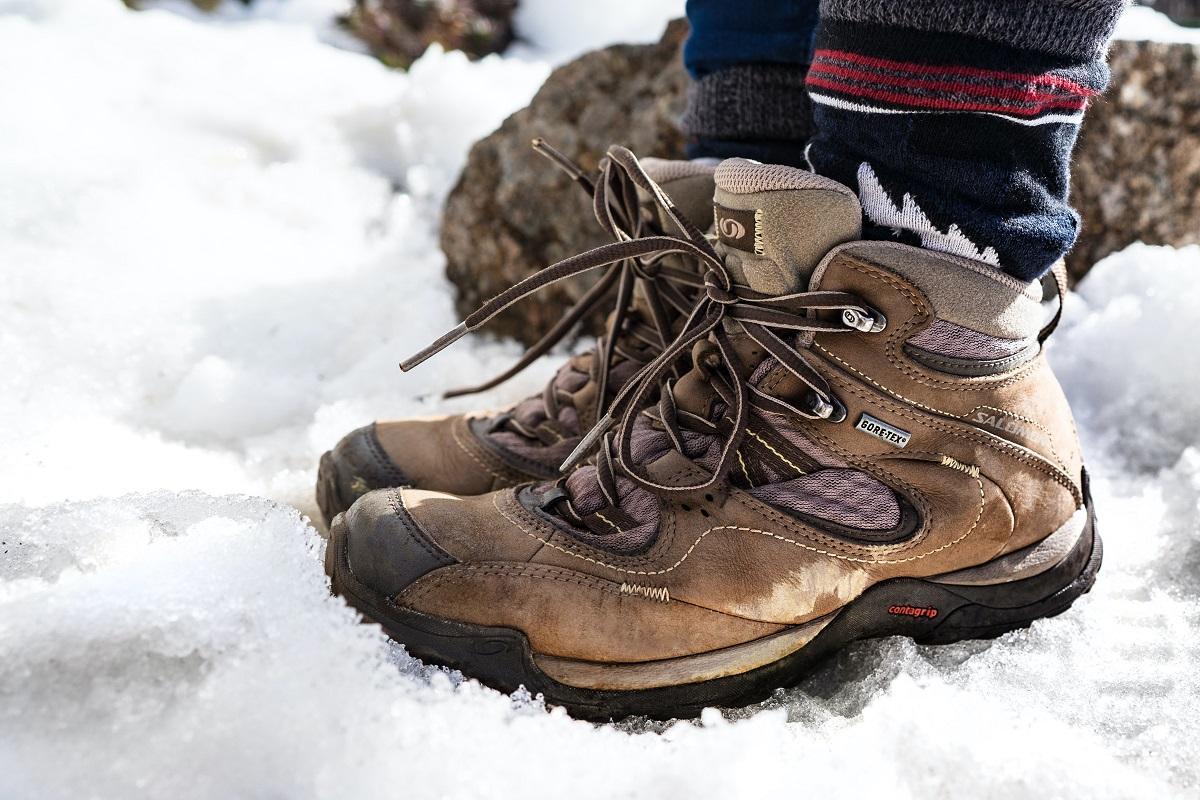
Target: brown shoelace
{"points": [[669, 293], [769, 320]]}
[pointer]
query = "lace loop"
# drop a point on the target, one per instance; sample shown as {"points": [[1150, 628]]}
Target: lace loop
{"points": [[636, 257], [721, 309]]}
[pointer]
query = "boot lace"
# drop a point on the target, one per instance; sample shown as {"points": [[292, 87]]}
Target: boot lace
{"points": [[782, 325], [630, 339]]}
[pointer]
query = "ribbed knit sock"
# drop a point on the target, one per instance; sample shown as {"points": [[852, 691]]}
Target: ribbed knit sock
{"points": [[955, 119], [748, 60]]}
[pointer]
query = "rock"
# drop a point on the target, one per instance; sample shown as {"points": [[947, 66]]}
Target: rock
{"points": [[513, 212], [1136, 175], [1136, 171], [1186, 12], [203, 5], [399, 31]]}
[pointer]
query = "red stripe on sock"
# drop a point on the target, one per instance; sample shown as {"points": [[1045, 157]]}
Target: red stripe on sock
{"points": [[936, 103], [912, 67], [997, 93]]}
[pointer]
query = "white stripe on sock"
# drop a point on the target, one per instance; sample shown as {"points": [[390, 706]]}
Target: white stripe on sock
{"points": [[847, 105]]}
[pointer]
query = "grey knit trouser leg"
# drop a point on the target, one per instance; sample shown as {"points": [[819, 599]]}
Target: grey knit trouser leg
{"points": [[1073, 29]]}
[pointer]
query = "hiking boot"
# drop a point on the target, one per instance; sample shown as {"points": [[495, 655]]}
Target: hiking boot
{"points": [[479, 452], [870, 442]]}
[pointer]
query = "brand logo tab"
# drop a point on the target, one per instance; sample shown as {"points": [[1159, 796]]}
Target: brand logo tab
{"points": [[881, 430], [739, 229]]}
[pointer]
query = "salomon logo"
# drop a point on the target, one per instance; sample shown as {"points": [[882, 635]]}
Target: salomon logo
{"points": [[739, 228], [1005, 424], [927, 612], [881, 430], [732, 228]]}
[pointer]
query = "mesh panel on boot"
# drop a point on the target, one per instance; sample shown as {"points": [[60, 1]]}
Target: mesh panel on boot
{"points": [[634, 501], [843, 496], [948, 339], [530, 413], [839, 494]]}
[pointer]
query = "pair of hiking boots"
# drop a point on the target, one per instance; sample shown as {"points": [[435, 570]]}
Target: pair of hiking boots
{"points": [[788, 439]]}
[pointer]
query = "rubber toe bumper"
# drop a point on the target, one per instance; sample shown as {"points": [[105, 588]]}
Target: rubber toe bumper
{"points": [[357, 465], [386, 550]]}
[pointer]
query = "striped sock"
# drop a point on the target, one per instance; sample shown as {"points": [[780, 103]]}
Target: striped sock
{"points": [[957, 137]]}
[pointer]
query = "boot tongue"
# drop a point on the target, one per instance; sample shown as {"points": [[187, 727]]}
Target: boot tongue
{"points": [[690, 186], [774, 223]]}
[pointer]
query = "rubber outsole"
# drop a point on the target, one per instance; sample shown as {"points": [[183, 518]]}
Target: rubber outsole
{"points": [[502, 658], [329, 497]]}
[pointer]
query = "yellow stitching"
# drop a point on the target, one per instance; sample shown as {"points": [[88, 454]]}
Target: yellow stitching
{"points": [[879, 385], [1055, 471], [746, 472], [952, 463], [773, 450], [615, 527], [886, 476], [475, 458], [1034, 423], [426, 584], [659, 593], [923, 310], [773, 535]]}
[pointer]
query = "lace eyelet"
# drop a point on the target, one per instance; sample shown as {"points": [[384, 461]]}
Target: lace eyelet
{"points": [[551, 497], [872, 322], [839, 410], [829, 409]]}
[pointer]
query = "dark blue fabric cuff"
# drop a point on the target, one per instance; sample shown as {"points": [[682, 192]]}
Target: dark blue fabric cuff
{"points": [[726, 33]]}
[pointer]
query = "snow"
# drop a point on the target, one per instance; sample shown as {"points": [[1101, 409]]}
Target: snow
{"points": [[218, 237], [1140, 23], [561, 30]]}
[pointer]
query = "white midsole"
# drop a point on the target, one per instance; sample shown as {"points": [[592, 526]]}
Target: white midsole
{"points": [[685, 669], [1024, 563]]}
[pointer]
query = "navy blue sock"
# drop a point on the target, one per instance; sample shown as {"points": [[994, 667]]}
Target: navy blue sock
{"points": [[749, 59], [955, 121]]}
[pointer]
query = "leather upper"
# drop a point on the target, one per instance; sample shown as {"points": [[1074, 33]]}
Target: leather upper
{"points": [[727, 568]]}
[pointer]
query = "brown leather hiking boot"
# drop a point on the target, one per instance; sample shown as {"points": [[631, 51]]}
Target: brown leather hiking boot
{"points": [[478, 452], [870, 443]]}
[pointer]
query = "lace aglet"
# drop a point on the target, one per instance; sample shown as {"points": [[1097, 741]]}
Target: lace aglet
{"points": [[542, 147], [587, 443], [440, 344]]}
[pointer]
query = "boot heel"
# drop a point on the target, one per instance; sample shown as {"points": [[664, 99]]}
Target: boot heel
{"points": [[933, 611], [989, 611]]}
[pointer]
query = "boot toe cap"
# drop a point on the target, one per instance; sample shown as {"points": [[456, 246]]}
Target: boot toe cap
{"points": [[355, 466], [363, 464], [386, 550]]}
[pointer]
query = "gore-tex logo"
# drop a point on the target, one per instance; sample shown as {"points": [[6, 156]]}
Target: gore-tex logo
{"points": [[894, 436], [927, 612]]}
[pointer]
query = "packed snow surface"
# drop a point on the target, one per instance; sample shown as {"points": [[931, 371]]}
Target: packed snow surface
{"points": [[1140, 23], [218, 238]]}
